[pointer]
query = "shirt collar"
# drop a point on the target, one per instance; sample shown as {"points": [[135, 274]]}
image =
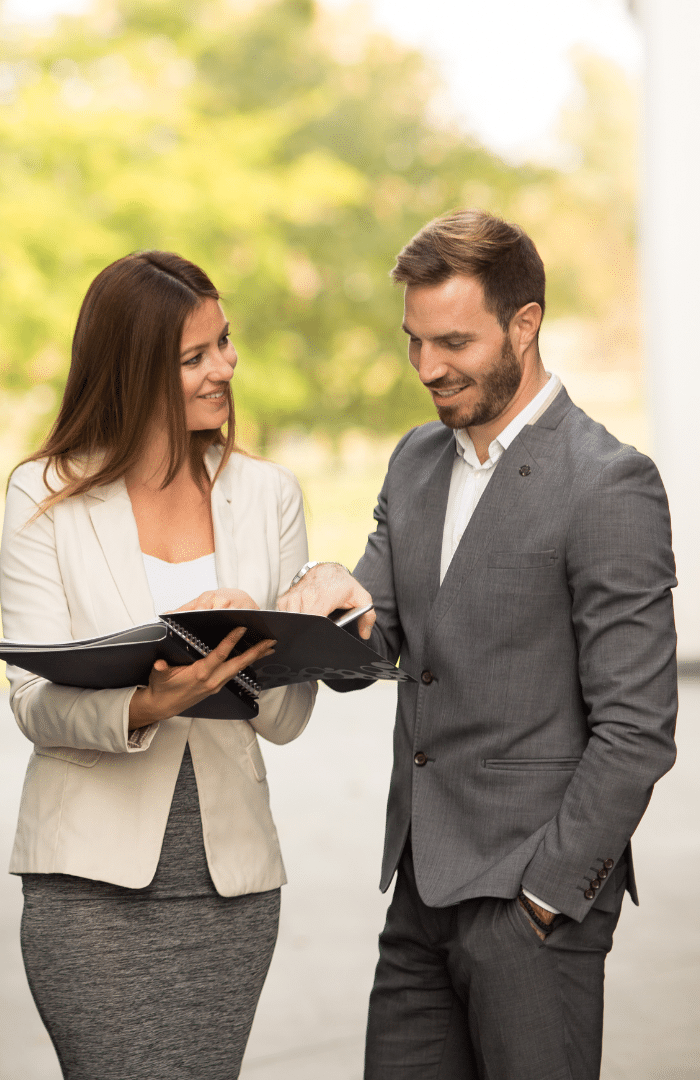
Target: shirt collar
{"points": [[465, 446]]}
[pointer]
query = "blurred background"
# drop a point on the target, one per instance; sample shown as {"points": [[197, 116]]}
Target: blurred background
{"points": [[292, 147]]}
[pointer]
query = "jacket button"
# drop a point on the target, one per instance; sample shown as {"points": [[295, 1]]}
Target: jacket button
{"points": [[589, 894], [420, 758], [595, 883], [427, 677], [524, 470], [609, 863], [602, 873]]}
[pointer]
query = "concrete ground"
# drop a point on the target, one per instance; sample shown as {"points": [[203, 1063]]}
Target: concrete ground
{"points": [[328, 792]]}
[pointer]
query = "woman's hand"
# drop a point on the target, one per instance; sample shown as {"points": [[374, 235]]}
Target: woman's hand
{"points": [[170, 690], [220, 598]]}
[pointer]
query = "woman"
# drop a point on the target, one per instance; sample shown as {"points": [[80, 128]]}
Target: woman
{"points": [[150, 863]]}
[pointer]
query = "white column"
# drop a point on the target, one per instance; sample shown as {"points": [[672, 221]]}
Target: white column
{"points": [[670, 234]]}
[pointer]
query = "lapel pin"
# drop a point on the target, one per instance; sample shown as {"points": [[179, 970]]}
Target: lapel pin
{"points": [[524, 470]]}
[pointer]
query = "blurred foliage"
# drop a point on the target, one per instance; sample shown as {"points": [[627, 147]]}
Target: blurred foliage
{"points": [[292, 154]]}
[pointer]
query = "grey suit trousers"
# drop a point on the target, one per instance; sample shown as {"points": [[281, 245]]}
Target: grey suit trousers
{"points": [[470, 992]]}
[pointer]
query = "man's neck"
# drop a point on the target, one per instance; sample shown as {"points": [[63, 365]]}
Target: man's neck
{"points": [[482, 435]]}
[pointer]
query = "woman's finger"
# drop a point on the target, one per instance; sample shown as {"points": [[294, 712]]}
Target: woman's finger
{"points": [[222, 653], [197, 604], [220, 598], [256, 652], [215, 669], [223, 649]]}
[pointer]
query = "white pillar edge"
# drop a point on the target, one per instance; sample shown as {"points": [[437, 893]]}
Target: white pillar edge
{"points": [[670, 273]]}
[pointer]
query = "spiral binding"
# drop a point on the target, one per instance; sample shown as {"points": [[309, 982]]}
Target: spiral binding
{"points": [[242, 681]]}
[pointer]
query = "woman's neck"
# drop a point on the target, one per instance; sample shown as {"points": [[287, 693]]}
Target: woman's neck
{"points": [[151, 468], [174, 522]]}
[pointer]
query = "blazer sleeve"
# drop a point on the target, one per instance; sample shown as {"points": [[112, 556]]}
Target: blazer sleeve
{"points": [[375, 570], [375, 573], [35, 608], [620, 573], [284, 711]]}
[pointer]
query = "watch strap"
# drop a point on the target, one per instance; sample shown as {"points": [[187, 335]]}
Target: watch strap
{"points": [[300, 573]]}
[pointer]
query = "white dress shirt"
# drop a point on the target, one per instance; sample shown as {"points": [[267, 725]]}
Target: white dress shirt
{"points": [[470, 477], [468, 483]]}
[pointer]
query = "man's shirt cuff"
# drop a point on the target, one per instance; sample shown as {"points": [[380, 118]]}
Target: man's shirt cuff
{"points": [[541, 903]]}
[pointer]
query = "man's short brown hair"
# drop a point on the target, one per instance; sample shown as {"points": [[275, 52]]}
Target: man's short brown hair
{"points": [[471, 242]]}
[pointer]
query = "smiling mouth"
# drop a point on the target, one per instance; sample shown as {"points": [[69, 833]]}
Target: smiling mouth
{"points": [[215, 395], [449, 391]]}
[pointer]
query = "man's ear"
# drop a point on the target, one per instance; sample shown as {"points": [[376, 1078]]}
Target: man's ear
{"points": [[524, 326]]}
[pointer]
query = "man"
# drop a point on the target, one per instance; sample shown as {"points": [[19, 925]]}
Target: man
{"points": [[521, 569]]}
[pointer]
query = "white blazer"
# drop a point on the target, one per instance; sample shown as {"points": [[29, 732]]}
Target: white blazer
{"points": [[96, 796]]}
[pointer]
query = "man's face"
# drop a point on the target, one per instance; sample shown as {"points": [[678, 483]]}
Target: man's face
{"points": [[460, 352]]}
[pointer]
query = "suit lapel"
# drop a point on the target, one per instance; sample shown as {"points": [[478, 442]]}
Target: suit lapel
{"points": [[517, 479], [224, 547], [429, 505], [114, 523]]}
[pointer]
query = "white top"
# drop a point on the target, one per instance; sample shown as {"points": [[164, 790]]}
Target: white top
{"points": [[175, 584], [470, 477]]}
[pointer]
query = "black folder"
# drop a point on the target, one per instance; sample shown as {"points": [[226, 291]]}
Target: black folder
{"points": [[308, 647]]}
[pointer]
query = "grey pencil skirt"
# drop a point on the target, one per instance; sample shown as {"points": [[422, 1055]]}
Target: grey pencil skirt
{"points": [[158, 983]]}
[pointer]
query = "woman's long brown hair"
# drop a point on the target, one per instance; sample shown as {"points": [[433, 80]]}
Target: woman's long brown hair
{"points": [[125, 365]]}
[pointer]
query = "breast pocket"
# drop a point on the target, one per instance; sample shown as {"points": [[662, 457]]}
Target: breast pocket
{"points": [[522, 582], [522, 560]]}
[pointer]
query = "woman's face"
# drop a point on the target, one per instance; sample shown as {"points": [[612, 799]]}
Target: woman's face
{"points": [[207, 360]]}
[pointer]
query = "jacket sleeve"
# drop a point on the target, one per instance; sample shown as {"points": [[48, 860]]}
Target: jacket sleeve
{"points": [[285, 710], [35, 608], [620, 572], [375, 572]]}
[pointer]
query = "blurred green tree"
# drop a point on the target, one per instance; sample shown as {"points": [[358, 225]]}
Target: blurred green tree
{"points": [[290, 156]]}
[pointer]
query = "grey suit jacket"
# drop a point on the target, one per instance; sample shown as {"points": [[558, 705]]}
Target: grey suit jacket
{"points": [[545, 698]]}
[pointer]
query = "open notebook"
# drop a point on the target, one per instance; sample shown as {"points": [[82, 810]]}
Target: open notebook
{"points": [[308, 647]]}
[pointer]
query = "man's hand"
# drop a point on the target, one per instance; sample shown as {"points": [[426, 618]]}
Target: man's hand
{"points": [[541, 913], [325, 588]]}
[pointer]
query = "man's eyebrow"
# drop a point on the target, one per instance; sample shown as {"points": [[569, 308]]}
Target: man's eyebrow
{"points": [[196, 348], [451, 335], [455, 335]]}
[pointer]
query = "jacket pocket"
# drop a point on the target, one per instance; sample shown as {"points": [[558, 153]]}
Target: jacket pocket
{"points": [[86, 758], [522, 560], [256, 759], [531, 764]]}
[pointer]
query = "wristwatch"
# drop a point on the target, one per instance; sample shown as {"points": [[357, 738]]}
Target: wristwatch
{"points": [[304, 570]]}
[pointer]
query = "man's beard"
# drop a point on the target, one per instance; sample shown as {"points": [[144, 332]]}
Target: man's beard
{"points": [[498, 387]]}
